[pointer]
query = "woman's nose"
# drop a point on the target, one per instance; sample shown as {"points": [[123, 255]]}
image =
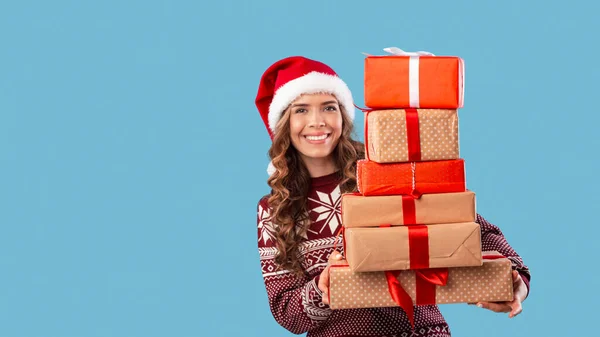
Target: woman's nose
{"points": [[316, 119]]}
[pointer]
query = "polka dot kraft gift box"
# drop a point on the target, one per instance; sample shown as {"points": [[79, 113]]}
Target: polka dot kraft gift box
{"points": [[491, 282], [403, 135]]}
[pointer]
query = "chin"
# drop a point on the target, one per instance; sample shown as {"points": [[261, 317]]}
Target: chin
{"points": [[319, 154]]}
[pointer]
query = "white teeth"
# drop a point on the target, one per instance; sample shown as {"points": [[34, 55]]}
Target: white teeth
{"points": [[316, 137]]}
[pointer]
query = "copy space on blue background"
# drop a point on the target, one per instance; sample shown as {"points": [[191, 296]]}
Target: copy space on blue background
{"points": [[133, 157]]}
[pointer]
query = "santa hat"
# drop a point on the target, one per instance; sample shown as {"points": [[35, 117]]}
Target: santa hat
{"points": [[289, 78]]}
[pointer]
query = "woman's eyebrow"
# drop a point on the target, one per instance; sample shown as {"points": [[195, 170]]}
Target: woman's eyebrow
{"points": [[306, 104]]}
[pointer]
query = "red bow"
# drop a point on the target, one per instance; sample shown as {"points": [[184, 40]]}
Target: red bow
{"points": [[426, 282]]}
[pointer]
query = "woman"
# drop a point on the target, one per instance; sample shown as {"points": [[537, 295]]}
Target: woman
{"points": [[308, 112]]}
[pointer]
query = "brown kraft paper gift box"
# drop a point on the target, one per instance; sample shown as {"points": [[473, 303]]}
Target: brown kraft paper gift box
{"points": [[490, 282], [406, 247], [435, 208], [390, 134]]}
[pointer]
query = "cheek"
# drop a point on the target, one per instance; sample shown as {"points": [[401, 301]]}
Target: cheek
{"points": [[336, 124], [296, 126]]}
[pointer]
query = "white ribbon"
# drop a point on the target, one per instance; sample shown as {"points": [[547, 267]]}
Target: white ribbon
{"points": [[413, 72]]}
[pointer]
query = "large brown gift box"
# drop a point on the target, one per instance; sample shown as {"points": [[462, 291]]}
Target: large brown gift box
{"points": [[402, 135], [413, 247], [490, 282], [436, 208]]}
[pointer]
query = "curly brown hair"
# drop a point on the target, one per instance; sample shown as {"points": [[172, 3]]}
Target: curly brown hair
{"points": [[290, 184]]}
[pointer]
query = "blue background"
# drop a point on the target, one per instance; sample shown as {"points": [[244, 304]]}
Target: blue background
{"points": [[132, 155]]}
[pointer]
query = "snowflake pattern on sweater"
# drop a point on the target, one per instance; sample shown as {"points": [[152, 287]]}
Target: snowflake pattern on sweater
{"points": [[295, 302]]}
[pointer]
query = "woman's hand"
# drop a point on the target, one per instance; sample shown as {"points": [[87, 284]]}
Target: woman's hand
{"points": [[324, 278], [514, 307]]}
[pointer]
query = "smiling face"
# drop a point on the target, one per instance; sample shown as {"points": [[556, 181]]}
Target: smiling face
{"points": [[315, 126]]}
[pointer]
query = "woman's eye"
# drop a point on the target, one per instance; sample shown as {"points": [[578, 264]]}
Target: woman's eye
{"points": [[300, 110], [331, 108]]}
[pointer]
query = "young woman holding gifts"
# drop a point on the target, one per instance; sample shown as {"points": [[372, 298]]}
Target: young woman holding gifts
{"points": [[308, 112]]}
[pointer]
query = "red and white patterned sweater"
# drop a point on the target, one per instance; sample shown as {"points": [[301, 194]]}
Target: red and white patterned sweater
{"points": [[296, 302]]}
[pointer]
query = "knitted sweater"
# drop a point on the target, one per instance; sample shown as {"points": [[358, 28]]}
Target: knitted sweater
{"points": [[295, 302]]}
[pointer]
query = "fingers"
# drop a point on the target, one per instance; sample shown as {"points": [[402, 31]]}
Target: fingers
{"points": [[516, 308], [520, 291], [324, 279], [513, 307], [325, 297], [516, 277], [495, 306], [324, 285]]}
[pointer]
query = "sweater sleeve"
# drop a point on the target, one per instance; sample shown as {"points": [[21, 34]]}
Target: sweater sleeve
{"points": [[493, 239], [295, 302]]}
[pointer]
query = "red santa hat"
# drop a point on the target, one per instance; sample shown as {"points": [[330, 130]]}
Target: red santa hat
{"points": [[289, 78]]}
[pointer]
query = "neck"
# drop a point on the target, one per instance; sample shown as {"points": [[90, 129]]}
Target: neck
{"points": [[318, 167]]}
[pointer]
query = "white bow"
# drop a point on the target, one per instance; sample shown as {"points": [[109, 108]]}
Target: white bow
{"points": [[413, 71], [400, 52]]}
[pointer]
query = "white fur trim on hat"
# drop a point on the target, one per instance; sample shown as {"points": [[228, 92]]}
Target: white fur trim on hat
{"points": [[271, 169], [311, 83]]}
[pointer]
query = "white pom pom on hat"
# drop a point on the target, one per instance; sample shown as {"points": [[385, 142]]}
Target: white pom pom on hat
{"points": [[289, 78], [271, 169]]}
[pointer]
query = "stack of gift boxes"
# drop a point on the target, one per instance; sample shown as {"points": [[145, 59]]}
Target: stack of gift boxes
{"points": [[410, 234]]}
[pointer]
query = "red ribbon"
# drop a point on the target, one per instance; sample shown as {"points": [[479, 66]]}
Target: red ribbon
{"points": [[409, 210], [426, 279], [412, 135], [418, 235], [400, 296], [418, 245], [426, 282], [493, 257]]}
